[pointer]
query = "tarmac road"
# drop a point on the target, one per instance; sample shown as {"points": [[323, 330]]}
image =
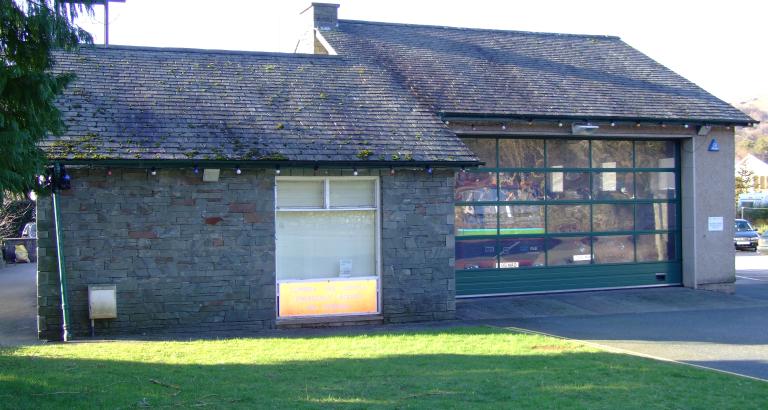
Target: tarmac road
{"points": [[18, 307], [719, 331]]}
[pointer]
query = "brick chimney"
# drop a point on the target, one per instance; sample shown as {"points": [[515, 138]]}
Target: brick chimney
{"points": [[325, 16]]}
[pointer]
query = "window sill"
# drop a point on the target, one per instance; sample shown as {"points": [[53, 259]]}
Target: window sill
{"points": [[329, 321]]}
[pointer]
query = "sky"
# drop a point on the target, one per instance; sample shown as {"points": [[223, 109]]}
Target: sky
{"points": [[719, 45]]}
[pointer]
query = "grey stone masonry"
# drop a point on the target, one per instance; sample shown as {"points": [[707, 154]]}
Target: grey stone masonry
{"points": [[418, 280], [49, 319], [194, 256], [185, 255]]}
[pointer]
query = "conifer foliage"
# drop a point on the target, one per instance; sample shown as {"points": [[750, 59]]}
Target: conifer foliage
{"points": [[29, 31]]}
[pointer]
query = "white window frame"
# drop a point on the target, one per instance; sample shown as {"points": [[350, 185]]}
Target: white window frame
{"points": [[376, 208]]}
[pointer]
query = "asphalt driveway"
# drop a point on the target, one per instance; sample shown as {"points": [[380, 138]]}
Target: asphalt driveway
{"points": [[18, 310], [724, 332]]}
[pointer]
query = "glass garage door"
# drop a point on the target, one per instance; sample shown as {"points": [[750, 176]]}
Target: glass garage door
{"points": [[566, 214]]}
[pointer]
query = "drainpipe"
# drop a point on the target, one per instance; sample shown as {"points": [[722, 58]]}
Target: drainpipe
{"points": [[62, 269]]}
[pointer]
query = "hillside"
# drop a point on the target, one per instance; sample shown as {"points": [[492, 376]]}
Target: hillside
{"points": [[753, 139]]}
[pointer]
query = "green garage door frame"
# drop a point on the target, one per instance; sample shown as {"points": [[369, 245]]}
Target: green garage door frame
{"points": [[549, 279]]}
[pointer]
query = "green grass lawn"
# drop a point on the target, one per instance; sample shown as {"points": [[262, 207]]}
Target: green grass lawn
{"points": [[457, 368]]}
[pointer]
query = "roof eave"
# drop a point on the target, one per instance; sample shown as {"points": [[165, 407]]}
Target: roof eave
{"points": [[170, 163], [472, 116]]}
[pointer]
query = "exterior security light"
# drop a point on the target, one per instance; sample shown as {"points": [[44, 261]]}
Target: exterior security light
{"points": [[211, 174], [704, 130], [584, 129]]}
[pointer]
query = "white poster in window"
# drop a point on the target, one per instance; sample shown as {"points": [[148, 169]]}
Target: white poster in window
{"points": [[715, 223], [608, 179], [666, 179], [556, 180], [345, 268]]}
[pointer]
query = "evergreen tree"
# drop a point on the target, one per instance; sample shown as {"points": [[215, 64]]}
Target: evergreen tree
{"points": [[745, 182], [29, 31]]}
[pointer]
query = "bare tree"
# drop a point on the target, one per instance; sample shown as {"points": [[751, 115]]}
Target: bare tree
{"points": [[14, 213]]}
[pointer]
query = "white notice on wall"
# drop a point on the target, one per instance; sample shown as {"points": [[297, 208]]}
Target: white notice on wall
{"points": [[715, 223], [345, 268]]}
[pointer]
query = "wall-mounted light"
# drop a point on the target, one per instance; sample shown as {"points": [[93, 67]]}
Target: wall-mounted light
{"points": [[584, 129], [685, 126], [463, 169], [354, 171], [704, 130], [63, 181], [153, 171], [613, 123], [429, 169], [392, 171], [238, 171], [277, 169], [560, 124], [109, 172], [503, 126], [211, 174], [637, 124], [196, 169]]}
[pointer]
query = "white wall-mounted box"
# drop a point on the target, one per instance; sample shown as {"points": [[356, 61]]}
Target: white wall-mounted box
{"points": [[102, 301]]}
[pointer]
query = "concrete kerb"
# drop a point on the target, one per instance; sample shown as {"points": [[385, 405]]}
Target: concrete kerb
{"points": [[624, 351]]}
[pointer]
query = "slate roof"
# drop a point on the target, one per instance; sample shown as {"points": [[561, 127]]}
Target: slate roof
{"points": [[131, 103], [512, 73]]}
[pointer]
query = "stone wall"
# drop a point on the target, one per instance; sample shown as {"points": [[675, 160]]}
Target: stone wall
{"points": [[191, 256], [186, 255], [418, 280], [49, 319]]}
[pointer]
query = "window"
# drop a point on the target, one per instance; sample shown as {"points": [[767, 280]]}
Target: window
{"points": [[327, 247], [567, 201]]}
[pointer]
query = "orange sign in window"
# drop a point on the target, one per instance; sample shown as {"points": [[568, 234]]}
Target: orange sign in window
{"points": [[328, 297]]}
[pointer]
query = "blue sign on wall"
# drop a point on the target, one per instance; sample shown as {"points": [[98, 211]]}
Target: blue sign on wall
{"points": [[713, 146]]}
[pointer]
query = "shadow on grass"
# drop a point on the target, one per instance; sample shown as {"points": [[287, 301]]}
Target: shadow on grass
{"points": [[546, 376]]}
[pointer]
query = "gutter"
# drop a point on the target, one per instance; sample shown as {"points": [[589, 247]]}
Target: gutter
{"points": [[464, 116], [62, 269], [250, 164]]}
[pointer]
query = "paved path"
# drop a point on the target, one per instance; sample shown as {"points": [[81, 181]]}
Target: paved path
{"points": [[725, 332], [18, 305]]}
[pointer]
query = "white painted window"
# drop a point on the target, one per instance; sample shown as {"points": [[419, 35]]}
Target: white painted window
{"points": [[327, 245]]}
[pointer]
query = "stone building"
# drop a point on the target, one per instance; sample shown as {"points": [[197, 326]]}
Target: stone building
{"points": [[377, 178]]}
